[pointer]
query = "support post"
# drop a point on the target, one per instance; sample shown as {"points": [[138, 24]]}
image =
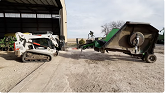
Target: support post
{"points": [[37, 22], [5, 23], [77, 43], [21, 23]]}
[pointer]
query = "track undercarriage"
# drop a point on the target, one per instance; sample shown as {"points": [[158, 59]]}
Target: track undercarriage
{"points": [[35, 57]]}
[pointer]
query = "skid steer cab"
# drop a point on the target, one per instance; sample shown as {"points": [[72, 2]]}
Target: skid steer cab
{"points": [[36, 47]]}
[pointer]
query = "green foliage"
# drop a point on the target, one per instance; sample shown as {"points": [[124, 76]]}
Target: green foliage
{"points": [[81, 42], [7, 41]]}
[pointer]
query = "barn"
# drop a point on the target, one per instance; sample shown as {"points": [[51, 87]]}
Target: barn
{"points": [[33, 16]]}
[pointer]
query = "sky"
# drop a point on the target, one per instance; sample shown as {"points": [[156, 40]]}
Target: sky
{"points": [[84, 16]]}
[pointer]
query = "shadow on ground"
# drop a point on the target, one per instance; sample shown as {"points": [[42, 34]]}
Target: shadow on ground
{"points": [[96, 57], [11, 56]]}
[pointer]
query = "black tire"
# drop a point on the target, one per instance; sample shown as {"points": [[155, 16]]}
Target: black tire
{"points": [[150, 58]]}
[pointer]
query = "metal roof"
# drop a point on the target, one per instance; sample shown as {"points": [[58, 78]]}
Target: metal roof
{"points": [[129, 22], [142, 25], [30, 6]]}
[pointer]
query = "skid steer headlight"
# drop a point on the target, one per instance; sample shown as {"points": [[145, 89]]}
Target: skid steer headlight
{"points": [[17, 48]]}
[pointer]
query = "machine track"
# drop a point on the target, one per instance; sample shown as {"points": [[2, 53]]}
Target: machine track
{"points": [[35, 57]]}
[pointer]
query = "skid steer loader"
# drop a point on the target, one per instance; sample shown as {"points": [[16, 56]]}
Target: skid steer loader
{"points": [[40, 47]]}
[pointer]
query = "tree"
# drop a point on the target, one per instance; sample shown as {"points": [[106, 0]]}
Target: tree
{"points": [[107, 27], [81, 42]]}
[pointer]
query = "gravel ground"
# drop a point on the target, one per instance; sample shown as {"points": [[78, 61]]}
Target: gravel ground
{"points": [[12, 71], [115, 72], [87, 71]]}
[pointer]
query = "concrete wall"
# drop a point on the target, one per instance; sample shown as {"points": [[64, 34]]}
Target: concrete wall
{"points": [[63, 14], [12, 25]]}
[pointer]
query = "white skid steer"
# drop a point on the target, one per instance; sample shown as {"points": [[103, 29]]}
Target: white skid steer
{"points": [[40, 47]]}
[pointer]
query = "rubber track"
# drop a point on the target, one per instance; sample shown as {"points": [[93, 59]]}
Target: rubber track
{"points": [[38, 61]]}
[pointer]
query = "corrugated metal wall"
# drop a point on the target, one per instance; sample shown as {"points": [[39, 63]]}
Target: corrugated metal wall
{"points": [[12, 25]]}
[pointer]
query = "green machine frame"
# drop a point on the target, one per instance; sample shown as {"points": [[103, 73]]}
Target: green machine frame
{"points": [[133, 38]]}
